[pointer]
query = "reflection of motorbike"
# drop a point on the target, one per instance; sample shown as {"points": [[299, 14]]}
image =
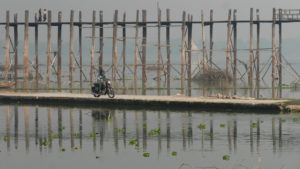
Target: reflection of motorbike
{"points": [[105, 89]]}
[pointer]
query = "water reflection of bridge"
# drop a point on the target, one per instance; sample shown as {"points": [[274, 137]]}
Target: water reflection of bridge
{"points": [[76, 127]]}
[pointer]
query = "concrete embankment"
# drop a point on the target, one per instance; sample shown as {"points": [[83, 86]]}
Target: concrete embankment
{"points": [[145, 102]]}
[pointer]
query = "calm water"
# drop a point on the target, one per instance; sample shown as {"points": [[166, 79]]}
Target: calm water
{"points": [[41, 137]]}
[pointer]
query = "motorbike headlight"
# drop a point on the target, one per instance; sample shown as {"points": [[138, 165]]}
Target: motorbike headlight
{"points": [[108, 82]]}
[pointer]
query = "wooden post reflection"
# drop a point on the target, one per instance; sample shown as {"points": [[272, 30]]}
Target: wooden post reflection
{"points": [[144, 130], [159, 135], [190, 129], [50, 128], [80, 128], [251, 136], [36, 125], [137, 129], [124, 128], [16, 127], [26, 115], [60, 127], [211, 133], [168, 131], [258, 136], [229, 135], [8, 128], [183, 131], [72, 127], [115, 128], [94, 132], [280, 134], [235, 135], [274, 134]]}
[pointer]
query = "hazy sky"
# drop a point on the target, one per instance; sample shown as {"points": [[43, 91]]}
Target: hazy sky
{"points": [[193, 7]]}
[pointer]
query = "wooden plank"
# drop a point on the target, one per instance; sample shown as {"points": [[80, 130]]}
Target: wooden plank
{"points": [[124, 52], [59, 43], [257, 53], [228, 41], [101, 32], [7, 47], [71, 47], [136, 51], [168, 53], [48, 49], [159, 55], [144, 42], [234, 52], [26, 48], [251, 54], [16, 44], [36, 44], [273, 55], [183, 29], [211, 28], [93, 48], [114, 58]]}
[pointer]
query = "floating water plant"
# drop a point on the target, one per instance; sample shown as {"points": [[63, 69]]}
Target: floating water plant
{"points": [[109, 120], [62, 149], [154, 132], [201, 126], [54, 135], [283, 120], [138, 148], [261, 121], [62, 127], [254, 125], [226, 157], [295, 119], [76, 134], [222, 125], [120, 130], [144, 126], [92, 135], [132, 142], [5, 138], [75, 148], [210, 134], [174, 153], [46, 143], [146, 154]]}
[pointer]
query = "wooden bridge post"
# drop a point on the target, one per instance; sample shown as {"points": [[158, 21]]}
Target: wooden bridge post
{"points": [[228, 41], [144, 44], [71, 52], [280, 53], [49, 49], [273, 55], [7, 47], [189, 65], [257, 53], [16, 44], [36, 43], [211, 27], [203, 43], [168, 53], [124, 51], [114, 59], [251, 54], [80, 47], [234, 52], [159, 55], [26, 48], [59, 42], [183, 29], [136, 51], [93, 48], [101, 39]]}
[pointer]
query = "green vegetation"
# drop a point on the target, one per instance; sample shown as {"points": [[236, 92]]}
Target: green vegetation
{"points": [[132, 142], [283, 120], [76, 134], [295, 119], [254, 125], [120, 130], [154, 132], [62, 149], [92, 135], [146, 154], [222, 125], [226, 157], [46, 143], [75, 148], [5, 138], [201, 126], [174, 153]]}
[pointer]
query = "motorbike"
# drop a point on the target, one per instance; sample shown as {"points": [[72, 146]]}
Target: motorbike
{"points": [[106, 89]]}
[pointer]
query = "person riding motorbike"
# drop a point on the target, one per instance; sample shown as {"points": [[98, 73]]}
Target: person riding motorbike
{"points": [[101, 78]]}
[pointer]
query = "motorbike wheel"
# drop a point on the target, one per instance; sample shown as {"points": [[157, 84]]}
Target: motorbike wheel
{"points": [[96, 94], [110, 92]]}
